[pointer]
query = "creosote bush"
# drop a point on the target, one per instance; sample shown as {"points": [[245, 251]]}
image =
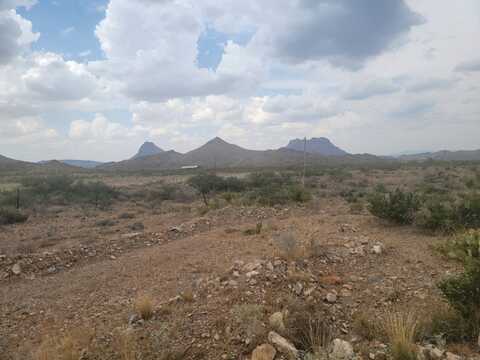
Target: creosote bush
{"points": [[397, 206], [266, 188], [462, 291], [11, 216]]}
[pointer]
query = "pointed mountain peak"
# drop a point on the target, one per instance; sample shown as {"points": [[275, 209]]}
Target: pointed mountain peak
{"points": [[217, 140], [148, 148]]}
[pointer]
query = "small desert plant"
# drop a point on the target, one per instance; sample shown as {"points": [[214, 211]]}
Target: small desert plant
{"points": [[447, 323], [8, 216], [313, 334], [397, 206], [401, 330], [248, 319], [256, 231], [144, 307], [308, 328], [288, 246]]}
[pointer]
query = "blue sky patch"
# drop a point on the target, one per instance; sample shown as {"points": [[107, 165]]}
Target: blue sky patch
{"points": [[67, 27]]}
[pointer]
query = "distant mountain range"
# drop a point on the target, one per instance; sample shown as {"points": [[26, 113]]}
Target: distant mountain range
{"points": [[217, 153], [87, 164], [147, 149], [7, 164], [444, 155], [321, 146]]}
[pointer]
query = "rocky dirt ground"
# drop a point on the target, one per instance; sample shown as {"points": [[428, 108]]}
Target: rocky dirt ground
{"points": [[214, 283]]}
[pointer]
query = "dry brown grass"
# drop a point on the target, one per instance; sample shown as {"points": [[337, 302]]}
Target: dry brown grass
{"points": [[126, 345], [401, 330], [144, 307], [69, 347]]}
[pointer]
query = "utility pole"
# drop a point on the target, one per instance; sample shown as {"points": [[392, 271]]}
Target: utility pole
{"points": [[304, 160]]}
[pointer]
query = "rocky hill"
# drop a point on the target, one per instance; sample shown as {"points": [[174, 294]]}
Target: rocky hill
{"points": [[7, 164], [147, 149], [321, 146]]}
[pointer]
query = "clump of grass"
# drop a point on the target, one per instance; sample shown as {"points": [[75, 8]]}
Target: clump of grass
{"points": [[256, 231], [125, 344], [308, 328], [401, 330], [365, 326], [144, 307]]}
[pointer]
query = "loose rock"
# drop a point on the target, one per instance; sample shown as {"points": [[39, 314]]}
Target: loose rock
{"points": [[341, 350], [264, 352], [282, 344]]}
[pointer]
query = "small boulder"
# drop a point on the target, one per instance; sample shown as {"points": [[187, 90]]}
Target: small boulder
{"points": [[282, 344], [331, 298], [264, 352], [452, 356], [341, 350], [377, 249], [16, 269]]}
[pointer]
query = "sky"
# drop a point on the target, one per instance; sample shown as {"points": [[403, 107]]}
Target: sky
{"points": [[94, 79]]}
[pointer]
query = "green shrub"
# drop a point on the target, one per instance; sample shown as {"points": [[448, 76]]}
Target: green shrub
{"points": [[468, 212], [205, 184], [59, 190], [437, 216], [397, 206], [463, 294], [8, 216], [463, 291], [464, 247]]}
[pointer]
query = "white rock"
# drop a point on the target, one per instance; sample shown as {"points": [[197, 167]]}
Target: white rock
{"points": [[377, 249], [341, 350], [16, 269], [282, 344]]}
